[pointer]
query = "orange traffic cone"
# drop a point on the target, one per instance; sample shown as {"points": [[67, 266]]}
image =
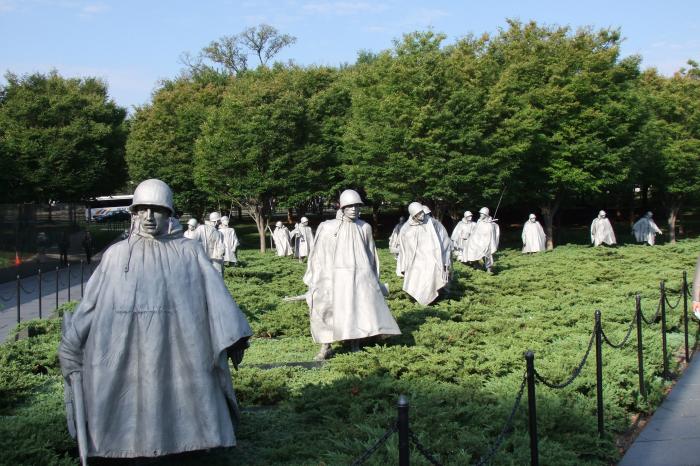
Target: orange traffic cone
{"points": [[17, 259]]}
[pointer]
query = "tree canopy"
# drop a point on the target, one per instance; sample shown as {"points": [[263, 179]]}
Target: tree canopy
{"points": [[60, 139]]}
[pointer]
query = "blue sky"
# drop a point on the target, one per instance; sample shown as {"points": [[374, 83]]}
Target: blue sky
{"points": [[132, 44]]}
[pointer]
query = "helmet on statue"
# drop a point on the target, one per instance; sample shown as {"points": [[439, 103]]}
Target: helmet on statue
{"points": [[350, 197], [155, 193]]}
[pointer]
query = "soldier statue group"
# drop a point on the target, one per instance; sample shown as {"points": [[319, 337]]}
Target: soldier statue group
{"points": [[145, 355]]}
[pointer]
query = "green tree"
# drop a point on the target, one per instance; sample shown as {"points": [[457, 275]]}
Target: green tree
{"points": [[670, 148], [229, 54], [163, 133], [562, 105], [250, 144], [417, 125], [61, 139]]}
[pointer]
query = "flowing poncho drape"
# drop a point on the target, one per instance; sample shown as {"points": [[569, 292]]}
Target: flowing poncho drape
{"points": [[345, 296], [483, 240], [150, 338], [282, 240], [423, 258], [602, 232], [231, 243], [460, 238], [534, 239], [303, 240], [645, 231]]}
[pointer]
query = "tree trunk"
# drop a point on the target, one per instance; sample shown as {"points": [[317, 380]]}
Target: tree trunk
{"points": [[549, 210], [240, 213], [50, 216], [290, 218], [672, 217], [375, 219]]}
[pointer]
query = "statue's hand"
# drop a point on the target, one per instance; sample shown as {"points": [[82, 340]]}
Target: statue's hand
{"points": [[236, 352]]}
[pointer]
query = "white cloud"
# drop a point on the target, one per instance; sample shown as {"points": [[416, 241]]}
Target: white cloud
{"points": [[7, 6], [89, 10], [343, 8]]}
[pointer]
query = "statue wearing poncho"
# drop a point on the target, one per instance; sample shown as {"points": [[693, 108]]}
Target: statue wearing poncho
{"points": [[303, 239], [602, 231], [645, 230], [483, 243], [424, 256], [230, 241], [150, 339], [534, 239], [461, 234], [345, 297], [282, 240]]}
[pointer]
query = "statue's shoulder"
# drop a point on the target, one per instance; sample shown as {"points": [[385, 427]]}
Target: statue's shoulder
{"points": [[116, 249]]}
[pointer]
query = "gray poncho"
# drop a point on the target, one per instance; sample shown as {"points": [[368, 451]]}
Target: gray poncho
{"points": [[150, 337], [345, 296], [424, 258]]}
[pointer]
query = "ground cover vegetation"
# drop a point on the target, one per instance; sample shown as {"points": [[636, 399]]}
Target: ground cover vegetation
{"points": [[553, 117], [460, 362]]}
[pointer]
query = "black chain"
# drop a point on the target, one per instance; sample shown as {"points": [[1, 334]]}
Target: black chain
{"points": [[370, 451], [673, 306], [26, 290], [8, 298], [427, 454], [576, 372], [624, 340], [505, 432], [656, 316]]}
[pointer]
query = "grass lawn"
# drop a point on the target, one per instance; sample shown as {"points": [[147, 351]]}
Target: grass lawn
{"points": [[459, 361]]}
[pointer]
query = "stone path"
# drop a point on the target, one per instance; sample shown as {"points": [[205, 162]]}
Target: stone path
{"points": [[29, 295], [672, 436]]}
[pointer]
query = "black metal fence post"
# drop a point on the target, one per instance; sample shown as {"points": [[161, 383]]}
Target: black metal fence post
{"points": [[69, 281], [685, 315], [532, 407], [662, 289], [40, 292], [18, 298], [56, 288], [82, 277], [599, 372], [640, 347], [404, 450]]}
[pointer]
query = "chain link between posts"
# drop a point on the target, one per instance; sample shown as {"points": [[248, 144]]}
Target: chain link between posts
{"points": [[507, 427], [624, 340], [656, 316], [576, 372], [26, 290], [427, 454], [381, 441]]}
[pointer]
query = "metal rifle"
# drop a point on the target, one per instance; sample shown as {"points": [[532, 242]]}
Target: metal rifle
{"points": [[271, 237], [495, 219]]}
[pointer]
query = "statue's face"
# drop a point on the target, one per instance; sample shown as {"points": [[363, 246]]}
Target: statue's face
{"points": [[351, 211], [153, 220], [191, 227], [482, 216], [419, 216], [533, 219]]}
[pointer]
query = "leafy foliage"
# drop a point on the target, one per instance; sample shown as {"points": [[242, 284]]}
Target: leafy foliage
{"points": [[60, 139]]}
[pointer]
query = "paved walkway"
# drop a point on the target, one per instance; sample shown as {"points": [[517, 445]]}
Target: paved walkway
{"points": [[29, 295], [672, 436]]}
